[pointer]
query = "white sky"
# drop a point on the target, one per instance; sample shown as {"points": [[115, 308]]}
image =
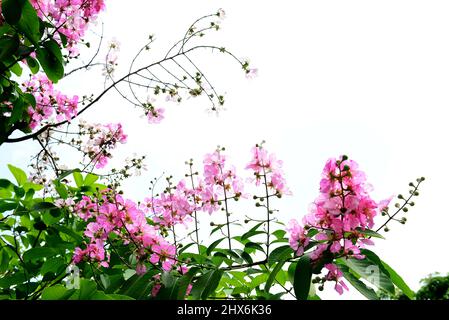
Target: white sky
{"points": [[363, 78]]}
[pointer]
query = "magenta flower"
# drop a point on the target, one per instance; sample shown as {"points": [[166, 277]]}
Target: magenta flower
{"points": [[298, 239], [335, 274], [338, 216], [155, 115], [141, 269], [264, 164], [163, 253], [49, 101]]}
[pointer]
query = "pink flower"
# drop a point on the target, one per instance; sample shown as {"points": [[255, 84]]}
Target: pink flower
{"points": [[99, 231], [264, 164], [335, 274], [298, 239], [383, 204], [189, 289], [156, 289], [102, 139], [252, 73], [164, 253], [141, 269], [85, 208], [78, 255], [155, 115]]}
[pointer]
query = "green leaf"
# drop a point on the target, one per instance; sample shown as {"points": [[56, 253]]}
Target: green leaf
{"points": [[41, 206], [216, 229], [19, 174], [29, 23], [50, 63], [171, 289], [214, 245], [63, 38], [57, 292], [78, 179], [33, 65], [280, 254], [53, 265], [279, 234], [7, 206], [8, 46], [245, 255], [257, 280], [371, 233], [184, 282], [185, 247], [4, 261], [39, 253], [370, 271], [206, 284], [67, 173], [20, 192], [302, 278], [273, 275], [115, 296], [253, 245], [253, 231], [90, 179], [100, 295], [138, 287], [87, 289], [399, 282], [53, 47], [16, 69], [12, 10], [5, 184], [13, 279], [69, 232], [29, 185], [39, 225], [61, 189], [356, 283]]}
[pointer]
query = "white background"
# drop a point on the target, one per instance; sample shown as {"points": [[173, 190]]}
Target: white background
{"points": [[365, 78]]}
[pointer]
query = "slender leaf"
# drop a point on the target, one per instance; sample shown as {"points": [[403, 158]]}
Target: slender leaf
{"points": [[399, 282], [273, 275], [356, 283], [279, 254], [302, 278], [213, 246], [206, 284]]}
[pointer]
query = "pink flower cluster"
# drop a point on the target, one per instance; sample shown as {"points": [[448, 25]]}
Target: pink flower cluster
{"points": [[219, 182], [171, 208], [111, 214], [48, 101], [268, 169], [176, 205], [338, 217], [102, 139], [71, 18]]}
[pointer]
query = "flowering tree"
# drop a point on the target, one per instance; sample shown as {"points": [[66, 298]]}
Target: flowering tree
{"points": [[72, 232]]}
